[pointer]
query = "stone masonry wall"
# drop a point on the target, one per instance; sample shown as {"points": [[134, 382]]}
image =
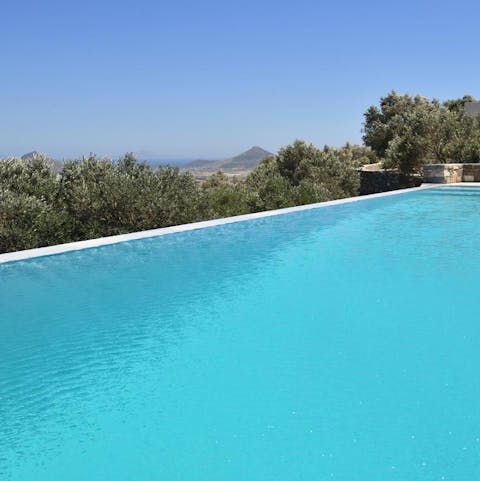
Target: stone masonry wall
{"points": [[471, 173], [374, 182], [451, 173]]}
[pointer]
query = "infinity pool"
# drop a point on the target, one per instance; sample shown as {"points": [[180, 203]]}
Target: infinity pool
{"points": [[335, 343]]}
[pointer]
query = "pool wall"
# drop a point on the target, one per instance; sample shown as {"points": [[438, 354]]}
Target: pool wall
{"points": [[102, 241]]}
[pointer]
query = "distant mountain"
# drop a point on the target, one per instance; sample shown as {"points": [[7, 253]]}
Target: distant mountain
{"points": [[30, 155], [57, 164], [245, 161]]}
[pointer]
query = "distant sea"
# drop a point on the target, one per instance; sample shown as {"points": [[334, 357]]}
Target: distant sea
{"points": [[172, 162]]}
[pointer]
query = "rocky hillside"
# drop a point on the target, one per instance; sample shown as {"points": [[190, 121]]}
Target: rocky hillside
{"points": [[243, 162]]}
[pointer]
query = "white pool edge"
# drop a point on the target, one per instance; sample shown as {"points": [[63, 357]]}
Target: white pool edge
{"points": [[103, 241]]}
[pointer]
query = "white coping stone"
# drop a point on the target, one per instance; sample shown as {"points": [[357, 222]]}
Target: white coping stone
{"points": [[103, 241]]}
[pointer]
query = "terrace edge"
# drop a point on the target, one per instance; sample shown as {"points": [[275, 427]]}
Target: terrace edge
{"points": [[103, 241]]}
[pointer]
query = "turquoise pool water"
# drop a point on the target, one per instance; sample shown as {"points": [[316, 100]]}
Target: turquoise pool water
{"points": [[336, 343]]}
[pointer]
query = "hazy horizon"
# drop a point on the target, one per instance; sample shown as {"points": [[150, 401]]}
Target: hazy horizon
{"points": [[150, 157], [190, 80]]}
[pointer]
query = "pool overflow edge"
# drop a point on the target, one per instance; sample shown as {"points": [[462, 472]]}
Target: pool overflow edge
{"points": [[116, 239]]}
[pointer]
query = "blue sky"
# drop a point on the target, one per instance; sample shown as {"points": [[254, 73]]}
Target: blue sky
{"points": [[211, 78]]}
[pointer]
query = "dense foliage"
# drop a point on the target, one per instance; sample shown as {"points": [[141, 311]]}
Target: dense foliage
{"points": [[96, 197], [408, 132]]}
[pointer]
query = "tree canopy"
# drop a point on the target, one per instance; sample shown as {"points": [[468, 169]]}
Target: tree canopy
{"points": [[408, 132], [94, 197]]}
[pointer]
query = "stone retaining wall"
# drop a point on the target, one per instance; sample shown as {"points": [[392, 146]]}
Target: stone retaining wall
{"points": [[451, 173], [373, 180], [376, 181], [471, 173]]}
